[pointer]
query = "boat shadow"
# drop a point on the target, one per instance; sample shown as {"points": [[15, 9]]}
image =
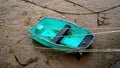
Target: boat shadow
{"points": [[61, 55]]}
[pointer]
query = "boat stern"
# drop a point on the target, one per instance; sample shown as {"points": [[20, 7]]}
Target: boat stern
{"points": [[87, 41]]}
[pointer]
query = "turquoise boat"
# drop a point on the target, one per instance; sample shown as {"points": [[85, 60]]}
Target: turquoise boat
{"points": [[61, 35]]}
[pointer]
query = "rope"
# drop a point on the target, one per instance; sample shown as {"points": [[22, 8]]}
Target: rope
{"points": [[27, 27], [51, 49], [72, 28], [108, 32], [85, 34]]}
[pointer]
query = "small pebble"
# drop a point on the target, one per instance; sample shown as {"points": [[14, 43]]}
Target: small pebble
{"points": [[63, 16]]}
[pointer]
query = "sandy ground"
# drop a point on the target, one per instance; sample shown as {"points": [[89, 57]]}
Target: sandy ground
{"points": [[17, 16]]}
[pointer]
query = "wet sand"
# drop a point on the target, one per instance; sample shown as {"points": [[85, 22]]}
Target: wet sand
{"points": [[17, 16]]}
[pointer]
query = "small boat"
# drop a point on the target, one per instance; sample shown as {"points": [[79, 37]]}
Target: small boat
{"points": [[61, 35]]}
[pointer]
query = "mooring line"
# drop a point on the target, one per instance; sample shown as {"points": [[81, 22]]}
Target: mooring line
{"points": [[28, 27], [57, 49]]}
